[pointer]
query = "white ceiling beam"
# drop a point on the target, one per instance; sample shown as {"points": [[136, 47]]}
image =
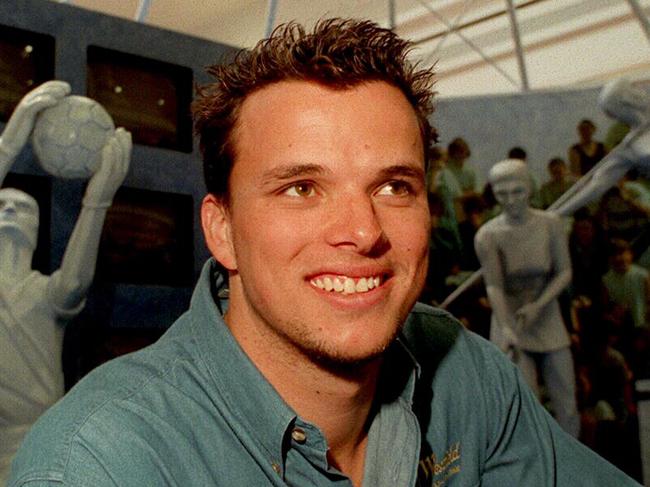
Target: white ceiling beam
{"points": [[143, 11], [641, 16], [467, 41], [270, 19], [521, 62], [454, 27]]}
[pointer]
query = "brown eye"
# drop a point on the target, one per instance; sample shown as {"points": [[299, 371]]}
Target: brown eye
{"points": [[395, 188], [302, 189]]}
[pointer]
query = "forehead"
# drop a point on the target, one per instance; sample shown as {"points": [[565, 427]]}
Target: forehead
{"points": [[288, 117], [510, 182], [17, 196]]}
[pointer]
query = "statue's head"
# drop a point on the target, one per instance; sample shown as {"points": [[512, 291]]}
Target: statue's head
{"points": [[18, 217], [510, 181], [622, 100]]}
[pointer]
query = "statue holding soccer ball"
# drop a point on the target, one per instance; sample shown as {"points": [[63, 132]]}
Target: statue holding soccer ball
{"points": [[34, 308]]}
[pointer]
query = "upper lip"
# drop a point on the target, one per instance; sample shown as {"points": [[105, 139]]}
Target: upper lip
{"points": [[352, 271]]}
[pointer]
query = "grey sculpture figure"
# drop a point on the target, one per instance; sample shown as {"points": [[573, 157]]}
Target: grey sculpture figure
{"points": [[623, 101], [33, 307], [525, 261]]}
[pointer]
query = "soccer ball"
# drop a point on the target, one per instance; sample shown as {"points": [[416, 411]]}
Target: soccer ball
{"points": [[68, 137]]}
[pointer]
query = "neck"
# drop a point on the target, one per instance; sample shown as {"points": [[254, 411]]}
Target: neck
{"points": [[336, 398], [15, 261], [518, 218]]}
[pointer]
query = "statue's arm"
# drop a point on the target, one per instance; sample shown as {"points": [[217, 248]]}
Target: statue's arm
{"points": [[633, 151], [492, 269], [71, 282], [22, 120]]}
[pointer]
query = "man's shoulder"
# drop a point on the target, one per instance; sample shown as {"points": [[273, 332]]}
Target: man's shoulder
{"points": [[435, 338], [102, 409]]}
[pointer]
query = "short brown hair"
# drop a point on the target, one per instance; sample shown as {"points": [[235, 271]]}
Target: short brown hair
{"points": [[338, 53]]}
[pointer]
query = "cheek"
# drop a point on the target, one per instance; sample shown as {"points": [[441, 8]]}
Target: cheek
{"points": [[267, 235], [410, 233]]}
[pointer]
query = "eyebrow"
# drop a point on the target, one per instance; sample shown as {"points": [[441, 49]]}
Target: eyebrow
{"points": [[286, 172], [402, 170], [282, 173]]}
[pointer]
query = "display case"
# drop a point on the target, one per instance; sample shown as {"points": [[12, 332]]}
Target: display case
{"points": [[26, 60], [149, 98]]}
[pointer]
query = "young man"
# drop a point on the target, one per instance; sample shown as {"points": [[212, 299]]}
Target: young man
{"points": [[627, 284], [560, 180], [318, 370]]}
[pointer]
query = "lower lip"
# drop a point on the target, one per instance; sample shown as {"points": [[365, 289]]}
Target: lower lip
{"points": [[355, 300]]}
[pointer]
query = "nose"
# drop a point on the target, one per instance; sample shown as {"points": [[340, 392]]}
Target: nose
{"points": [[354, 224]]}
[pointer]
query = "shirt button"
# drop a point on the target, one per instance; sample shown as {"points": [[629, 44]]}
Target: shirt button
{"points": [[298, 435], [276, 468]]}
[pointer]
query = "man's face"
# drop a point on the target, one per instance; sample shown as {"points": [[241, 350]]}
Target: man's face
{"points": [[326, 235], [18, 216], [513, 195], [622, 261], [557, 171], [586, 131]]}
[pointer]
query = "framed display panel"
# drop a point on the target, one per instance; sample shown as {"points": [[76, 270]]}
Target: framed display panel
{"points": [[40, 188], [148, 239], [26, 60], [149, 98], [87, 346]]}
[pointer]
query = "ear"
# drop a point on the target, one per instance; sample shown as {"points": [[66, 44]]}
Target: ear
{"points": [[215, 220]]}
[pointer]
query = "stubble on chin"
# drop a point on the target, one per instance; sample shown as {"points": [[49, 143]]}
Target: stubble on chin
{"points": [[342, 362]]}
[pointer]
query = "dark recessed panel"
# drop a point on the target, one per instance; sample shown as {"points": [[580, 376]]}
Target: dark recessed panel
{"points": [[148, 239], [26, 60], [149, 98]]}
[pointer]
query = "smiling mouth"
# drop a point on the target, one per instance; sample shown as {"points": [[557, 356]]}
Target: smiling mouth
{"points": [[347, 285]]}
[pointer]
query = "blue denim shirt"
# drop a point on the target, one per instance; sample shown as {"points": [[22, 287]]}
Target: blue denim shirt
{"points": [[192, 409]]}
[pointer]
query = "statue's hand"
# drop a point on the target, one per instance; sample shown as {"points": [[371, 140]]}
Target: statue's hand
{"points": [[527, 315], [510, 344], [22, 120], [111, 172]]}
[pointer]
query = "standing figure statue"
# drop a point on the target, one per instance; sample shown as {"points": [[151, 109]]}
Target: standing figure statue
{"points": [[623, 101], [34, 308], [525, 261]]}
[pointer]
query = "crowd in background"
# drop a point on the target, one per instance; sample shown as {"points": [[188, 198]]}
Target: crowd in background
{"points": [[606, 307]]}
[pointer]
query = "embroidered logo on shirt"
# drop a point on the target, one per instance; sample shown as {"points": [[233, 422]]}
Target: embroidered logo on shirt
{"points": [[438, 472]]}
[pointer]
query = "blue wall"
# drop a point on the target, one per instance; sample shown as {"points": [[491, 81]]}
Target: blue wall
{"points": [[151, 168], [543, 123]]}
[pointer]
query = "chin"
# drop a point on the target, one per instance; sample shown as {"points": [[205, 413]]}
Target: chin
{"points": [[348, 356]]}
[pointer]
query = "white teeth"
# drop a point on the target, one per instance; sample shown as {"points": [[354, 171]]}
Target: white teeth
{"points": [[338, 285], [346, 285], [362, 285]]}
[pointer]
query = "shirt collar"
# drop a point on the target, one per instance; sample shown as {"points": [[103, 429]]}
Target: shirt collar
{"points": [[249, 397], [239, 383]]}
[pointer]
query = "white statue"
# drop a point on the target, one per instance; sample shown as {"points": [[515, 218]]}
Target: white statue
{"points": [[630, 105], [525, 261], [33, 307]]}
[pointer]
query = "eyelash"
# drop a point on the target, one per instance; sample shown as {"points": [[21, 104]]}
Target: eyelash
{"points": [[400, 187], [311, 186]]}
